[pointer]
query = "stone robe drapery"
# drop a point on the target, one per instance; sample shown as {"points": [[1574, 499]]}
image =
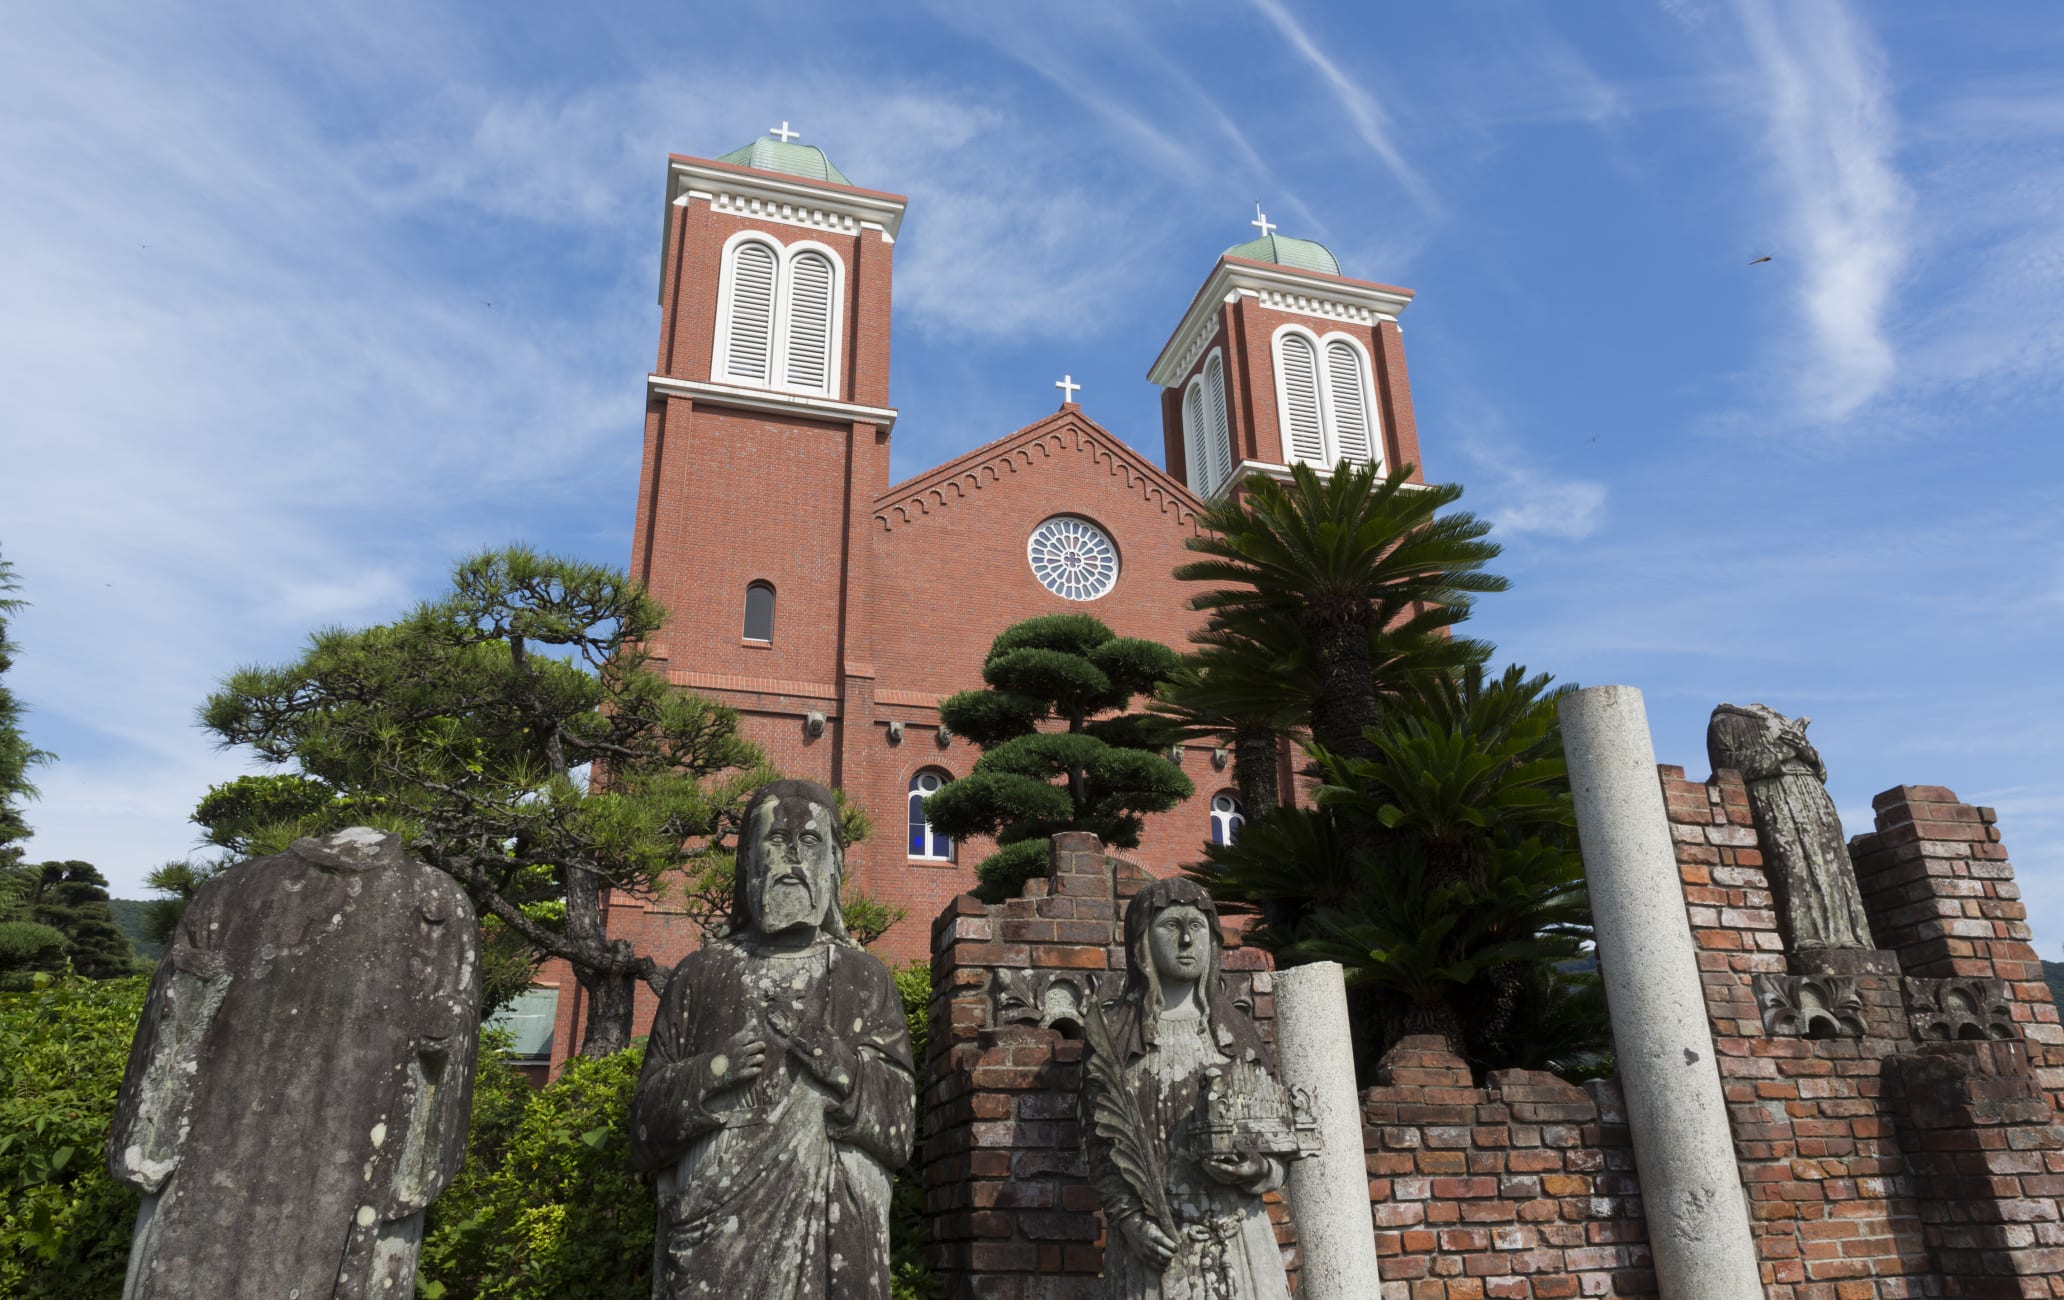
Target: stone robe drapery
{"points": [[777, 1190], [1800, 832], [299, 1086], [1225, 1246]]}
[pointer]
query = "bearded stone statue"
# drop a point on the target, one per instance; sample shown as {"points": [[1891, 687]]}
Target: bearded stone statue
{"points": [[778, 1094]]}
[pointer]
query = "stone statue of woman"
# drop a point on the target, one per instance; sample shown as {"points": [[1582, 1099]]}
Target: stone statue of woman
{"points": [[1178, 1115]]}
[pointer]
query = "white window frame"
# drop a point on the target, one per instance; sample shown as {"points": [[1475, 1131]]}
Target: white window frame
{"points": [[727, 283], [1231, 826], [1329, 428], [1193, 435], [1210, 445], [777, 354], [910, 792]]}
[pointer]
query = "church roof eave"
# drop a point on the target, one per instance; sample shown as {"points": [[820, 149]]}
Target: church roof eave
{"points": [[1238, 276], [933, 482]]}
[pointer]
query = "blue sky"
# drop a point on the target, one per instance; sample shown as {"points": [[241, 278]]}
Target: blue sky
{"points": [[299, 304]]}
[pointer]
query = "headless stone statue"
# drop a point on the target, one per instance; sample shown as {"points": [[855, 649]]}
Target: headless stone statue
{"points": [[1184, 1129], [1808, 860], [301, 1079], [778, 1093]]}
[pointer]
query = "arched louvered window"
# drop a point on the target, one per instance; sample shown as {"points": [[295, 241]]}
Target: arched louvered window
{"points": [[807, 318], [1298, 401], [759, 612], [1323, 397], [1347, 394], [1194, 437], [1221, 437], [747, 324]]}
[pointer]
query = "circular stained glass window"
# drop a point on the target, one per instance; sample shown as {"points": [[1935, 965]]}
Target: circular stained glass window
{"points": [[1072, 558]]}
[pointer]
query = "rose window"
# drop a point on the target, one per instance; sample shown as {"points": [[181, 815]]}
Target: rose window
{"points": [[1072, 558]]}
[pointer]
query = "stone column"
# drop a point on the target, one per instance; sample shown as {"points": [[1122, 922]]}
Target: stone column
{"points": [[1698, 1218], [1329, 1193]]}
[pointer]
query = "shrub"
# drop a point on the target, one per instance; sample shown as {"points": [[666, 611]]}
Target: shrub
{"points": [[64, 1224], [546, 1205]]}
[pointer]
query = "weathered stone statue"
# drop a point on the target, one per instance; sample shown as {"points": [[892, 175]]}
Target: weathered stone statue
{"points": [[1183, 1126], [300, 1083], [1808, 860], [778, 1094]]}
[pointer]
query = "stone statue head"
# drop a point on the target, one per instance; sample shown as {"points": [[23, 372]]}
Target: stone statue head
{"points": [[791, 860], [1759, 742], [1139, 1003]]}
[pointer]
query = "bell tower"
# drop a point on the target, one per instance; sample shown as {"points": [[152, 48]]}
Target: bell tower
{"points": [[1282, 359], [767, 424]]}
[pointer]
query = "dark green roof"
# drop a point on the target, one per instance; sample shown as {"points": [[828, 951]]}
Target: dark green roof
{"points": [[768, 154], [1303, 254]]}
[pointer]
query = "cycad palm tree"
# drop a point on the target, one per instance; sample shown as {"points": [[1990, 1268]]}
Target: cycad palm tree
{"points": [[1340, 558]]}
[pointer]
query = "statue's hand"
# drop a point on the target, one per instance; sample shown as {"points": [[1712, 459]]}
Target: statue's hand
{"points": [[1249, 1173], [829, 1061], [736, 1063], [1147, 1240]]}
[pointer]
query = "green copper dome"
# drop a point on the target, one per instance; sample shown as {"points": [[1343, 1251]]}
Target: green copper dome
{"points": [[1303, 254], [768, 154]]}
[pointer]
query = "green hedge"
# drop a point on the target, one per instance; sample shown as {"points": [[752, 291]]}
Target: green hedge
{"points": [[64, 1224], [546, 1207]]}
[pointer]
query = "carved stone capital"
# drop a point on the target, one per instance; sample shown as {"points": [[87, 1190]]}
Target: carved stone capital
{"points": [[1049, 999], [1962, 1009], [1811, 1006]]}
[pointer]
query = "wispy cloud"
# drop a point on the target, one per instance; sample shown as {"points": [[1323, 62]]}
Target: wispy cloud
{"points": [[1830, 136], [1371, 123]]}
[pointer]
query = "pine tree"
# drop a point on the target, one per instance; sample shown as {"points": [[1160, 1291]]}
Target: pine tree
{"points": [[72, 898], [472, 727], [1091, 767], [17, 755]]}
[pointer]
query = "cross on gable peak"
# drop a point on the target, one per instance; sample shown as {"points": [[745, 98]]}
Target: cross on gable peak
{"points": [[1068, 387]]}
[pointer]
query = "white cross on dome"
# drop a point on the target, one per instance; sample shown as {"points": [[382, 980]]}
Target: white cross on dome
{"points": [[1260, 217], [782, 133]]}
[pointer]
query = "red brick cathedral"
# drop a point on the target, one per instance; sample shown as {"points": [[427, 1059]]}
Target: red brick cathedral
{"points": [[834, 609]]}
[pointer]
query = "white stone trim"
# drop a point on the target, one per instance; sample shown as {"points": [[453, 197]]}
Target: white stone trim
{"points": [[772, 400], [1279, 288], [789, 200], [1247, 469]]}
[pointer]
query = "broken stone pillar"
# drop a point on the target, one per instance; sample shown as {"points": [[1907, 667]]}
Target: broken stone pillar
{"points": [[1698, 1219], [1329, 1193]]}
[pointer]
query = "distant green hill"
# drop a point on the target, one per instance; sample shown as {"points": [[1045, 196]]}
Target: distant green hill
{"points": [[2053, 972], [129, 919]]}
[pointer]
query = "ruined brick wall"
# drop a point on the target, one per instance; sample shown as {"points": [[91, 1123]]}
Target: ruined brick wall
{"points": [[1012, 1215], [1524, 1188], [1879, 1164], [1520, 1189]]}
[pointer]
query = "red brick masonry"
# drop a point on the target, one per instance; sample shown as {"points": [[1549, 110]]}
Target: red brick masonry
{"points": [[1916, 1150]]}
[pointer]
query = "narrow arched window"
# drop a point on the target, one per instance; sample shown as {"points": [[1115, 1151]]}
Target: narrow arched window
{"points": [[747, 327], [1347, 394], [1221, 437], [808, 313], [759, 612], [925, 842], [1297, 378], [1194, 436], [1227, 817]]}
